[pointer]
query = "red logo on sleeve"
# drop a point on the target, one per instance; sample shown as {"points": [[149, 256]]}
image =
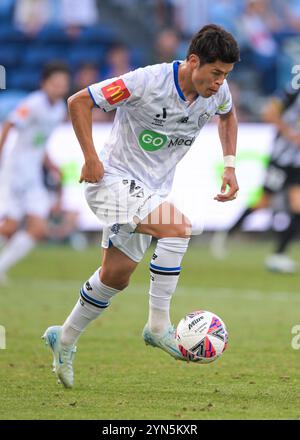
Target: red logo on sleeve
{"points": [[23, 112], [115, 92]]}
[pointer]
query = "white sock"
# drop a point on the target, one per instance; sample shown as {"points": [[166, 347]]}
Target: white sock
{"points": [[165, 269], [94, 299], [15, 249]]}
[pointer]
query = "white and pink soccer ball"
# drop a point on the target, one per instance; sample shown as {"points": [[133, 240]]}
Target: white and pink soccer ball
{"points": [[202, 336]]}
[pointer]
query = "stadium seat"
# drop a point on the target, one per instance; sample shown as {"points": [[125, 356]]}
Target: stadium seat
{"points": [[9, 55], [52, 34], [25, 79], [8, 101], [36, 56], [101, 34], [86, 54], [137, 57], [8, 34], [6, 10]]}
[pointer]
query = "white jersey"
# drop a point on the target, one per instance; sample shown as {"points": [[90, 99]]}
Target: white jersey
{"points": [[35, 119], [154, 126]]}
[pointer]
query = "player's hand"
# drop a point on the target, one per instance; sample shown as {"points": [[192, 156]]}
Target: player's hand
{"points": [[92, 171], [228, 179]]}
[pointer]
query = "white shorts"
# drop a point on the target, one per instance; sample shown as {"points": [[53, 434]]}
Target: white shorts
{"points": [[33, 200], [120, 204]]}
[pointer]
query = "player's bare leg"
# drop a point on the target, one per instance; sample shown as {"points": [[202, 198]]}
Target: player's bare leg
{"points": [[20, 242], [8, 227]]}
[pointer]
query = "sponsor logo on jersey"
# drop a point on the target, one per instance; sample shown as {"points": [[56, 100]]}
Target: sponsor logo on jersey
{"points": [[151, 141], [115, 92], [184, 120], [158, 121], [181, 141]]}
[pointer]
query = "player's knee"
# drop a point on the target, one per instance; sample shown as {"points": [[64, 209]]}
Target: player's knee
{"points": [[180, 230], [38, 232], [8, 233], [114, 279], [8, 230]]}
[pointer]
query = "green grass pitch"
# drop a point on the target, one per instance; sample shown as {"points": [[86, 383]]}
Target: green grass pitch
{"points": [[118, 377]]}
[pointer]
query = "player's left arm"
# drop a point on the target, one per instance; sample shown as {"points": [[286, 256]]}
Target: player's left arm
{"points": [[228, 127]]}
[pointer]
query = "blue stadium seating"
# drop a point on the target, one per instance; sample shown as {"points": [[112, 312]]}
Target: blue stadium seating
{"points": [[8, 34], [9, 55], [25, 79], [6, 10], [86, 54], [53, 34], [101, 34], [36, 56], [9, 100]]}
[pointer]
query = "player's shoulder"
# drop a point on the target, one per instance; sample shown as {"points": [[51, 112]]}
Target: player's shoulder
{"points": [[155, 71], [37, 95]]}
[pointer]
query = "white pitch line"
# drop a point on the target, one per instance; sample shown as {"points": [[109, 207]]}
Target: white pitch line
{"points": [[140, 289], [228, 292]]}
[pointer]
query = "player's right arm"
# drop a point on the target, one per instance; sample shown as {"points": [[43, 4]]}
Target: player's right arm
{"points": [[80, 108], [126, 90]]}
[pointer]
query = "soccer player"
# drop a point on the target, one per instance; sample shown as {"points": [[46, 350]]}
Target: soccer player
{"points": [[283, 173], [27, 202], [160, 111]]}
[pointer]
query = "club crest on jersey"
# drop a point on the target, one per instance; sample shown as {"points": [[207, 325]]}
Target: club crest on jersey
{"points": [[115, 92], [203, 119], [115, 228]]}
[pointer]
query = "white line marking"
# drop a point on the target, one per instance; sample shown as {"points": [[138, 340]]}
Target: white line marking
{"points": [[142, 289]]}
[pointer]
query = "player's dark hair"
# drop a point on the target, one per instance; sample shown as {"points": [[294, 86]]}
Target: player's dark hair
{"points": [[50, 69], [214, 43]]}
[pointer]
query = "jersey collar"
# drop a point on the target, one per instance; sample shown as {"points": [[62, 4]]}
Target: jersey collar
{"points": [[175, 73]]}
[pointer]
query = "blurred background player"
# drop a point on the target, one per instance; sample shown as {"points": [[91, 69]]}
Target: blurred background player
{"points": [[27, 201], [283, 173]]}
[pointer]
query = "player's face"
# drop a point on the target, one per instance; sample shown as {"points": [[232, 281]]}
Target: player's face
{"points": [[57, 86], [208, 78]]}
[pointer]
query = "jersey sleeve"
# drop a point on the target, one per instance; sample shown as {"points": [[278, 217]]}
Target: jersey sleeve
{"points": [[22, 115], [225, 100], [126, 89]]}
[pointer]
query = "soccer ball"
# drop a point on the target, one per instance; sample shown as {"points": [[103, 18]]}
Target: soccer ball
{"points": [[201, 336]]}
